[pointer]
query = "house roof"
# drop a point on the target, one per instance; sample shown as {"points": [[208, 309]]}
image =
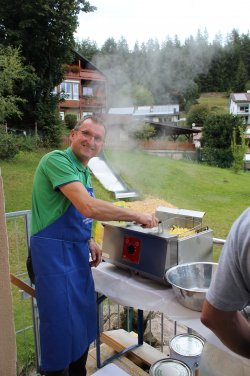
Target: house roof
{"points": [[174, 129], [121, 111], [89, 64], [171, 109], [159, 110], [240, 97]]}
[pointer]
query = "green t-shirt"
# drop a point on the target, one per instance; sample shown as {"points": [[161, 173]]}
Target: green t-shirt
{"points": [[55, 169]]}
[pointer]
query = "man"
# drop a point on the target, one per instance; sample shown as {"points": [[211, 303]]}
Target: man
{"points": [[229, 291], [63, 209]]}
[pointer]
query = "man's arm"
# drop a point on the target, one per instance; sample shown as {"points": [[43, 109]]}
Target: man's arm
{"points": [[102, 210], [96, 252], [230, 327]]}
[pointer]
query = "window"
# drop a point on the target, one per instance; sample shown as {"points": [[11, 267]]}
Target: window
{"points": [[87, 90], [243, 108], [62, 117], [86, 113], [54, 91], [69, 90]]}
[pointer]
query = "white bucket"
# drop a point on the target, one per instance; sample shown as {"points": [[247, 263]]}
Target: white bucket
{"points": [[169, 367], [187, 348]]}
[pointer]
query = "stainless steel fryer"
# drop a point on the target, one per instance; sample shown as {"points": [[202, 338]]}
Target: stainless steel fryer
{"points": [[151, 252]]}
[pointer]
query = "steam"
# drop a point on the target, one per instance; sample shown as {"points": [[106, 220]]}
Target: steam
{"points": [[162, 70], [166, 71]]}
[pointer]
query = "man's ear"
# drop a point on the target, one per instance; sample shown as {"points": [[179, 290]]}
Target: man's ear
{"points": [[71, 135]]}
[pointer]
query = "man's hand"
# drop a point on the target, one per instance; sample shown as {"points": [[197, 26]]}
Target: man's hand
{"points": [[147, 220], [96, 253]]}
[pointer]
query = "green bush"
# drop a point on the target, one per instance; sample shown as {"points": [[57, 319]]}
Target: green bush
{"points": [[197, 114], [70, 120], [29, 143], [217, 157], [52, 135], [49, 124], [147, 132], [217, 135], [238, 149], [8, 145]]}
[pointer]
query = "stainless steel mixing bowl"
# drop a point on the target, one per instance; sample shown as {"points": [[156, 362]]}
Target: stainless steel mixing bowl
{"points": [[190, 282]]}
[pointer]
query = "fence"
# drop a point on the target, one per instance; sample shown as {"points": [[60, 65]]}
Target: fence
{"points": [[24, 308], [157, 328]]}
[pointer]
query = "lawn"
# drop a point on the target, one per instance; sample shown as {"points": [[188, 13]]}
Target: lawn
{"points": [[215, 101], [17, 180], [221, 193], [18, 177]]}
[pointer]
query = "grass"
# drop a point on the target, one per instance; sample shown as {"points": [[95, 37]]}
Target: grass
{"points": [[215, 101], [17, 180], [18, 177], [220, 193]]}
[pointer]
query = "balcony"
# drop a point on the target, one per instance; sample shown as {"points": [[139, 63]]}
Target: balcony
{"points": [[89, 100], [97, 102]]}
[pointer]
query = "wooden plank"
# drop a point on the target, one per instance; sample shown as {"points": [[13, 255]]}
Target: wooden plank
{"points": [[22, 285], [91, 362], [122, 362], [121, 339]]}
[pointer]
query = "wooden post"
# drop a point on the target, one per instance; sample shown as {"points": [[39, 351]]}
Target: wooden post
{"points": [[7, 330]]}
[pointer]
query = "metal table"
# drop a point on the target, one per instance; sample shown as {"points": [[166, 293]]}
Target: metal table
{"points": [[128, 289]]}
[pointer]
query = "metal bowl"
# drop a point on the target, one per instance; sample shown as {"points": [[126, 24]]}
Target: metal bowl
{"points": [[190, 282]]}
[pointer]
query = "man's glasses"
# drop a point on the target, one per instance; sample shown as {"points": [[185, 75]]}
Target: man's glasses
{"points": [[89, 136]]}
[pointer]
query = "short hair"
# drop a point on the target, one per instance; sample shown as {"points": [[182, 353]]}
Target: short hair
{"points": [[96, 118]]}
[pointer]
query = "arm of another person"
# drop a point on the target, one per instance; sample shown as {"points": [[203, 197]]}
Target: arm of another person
{"points": [[231, 327], [101, 210]]}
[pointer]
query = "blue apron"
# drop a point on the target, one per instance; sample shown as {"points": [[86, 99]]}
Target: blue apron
{"points": [[64, 289]]}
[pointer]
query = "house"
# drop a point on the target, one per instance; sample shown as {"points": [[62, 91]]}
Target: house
{"points": [[125, 120], [84, 89], [165, 119], [161, 113], [239, 104]]}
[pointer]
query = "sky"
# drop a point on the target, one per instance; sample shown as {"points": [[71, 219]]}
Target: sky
{"points": [[141, 20]]}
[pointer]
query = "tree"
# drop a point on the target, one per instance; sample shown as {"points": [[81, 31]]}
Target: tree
{"points": [[145, 133], [241, 78], [174, 72], [142, 96], [109, 47], [44, 32], [197, 114], [11, 71], [87, 48], [239, 149], [217, 136], [70, 120]]}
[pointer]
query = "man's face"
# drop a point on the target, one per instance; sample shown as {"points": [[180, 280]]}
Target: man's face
{"points": [[87, 141]]}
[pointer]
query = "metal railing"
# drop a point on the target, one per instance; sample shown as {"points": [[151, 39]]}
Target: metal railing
{"points": [[24, 308], [112, 316]]}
